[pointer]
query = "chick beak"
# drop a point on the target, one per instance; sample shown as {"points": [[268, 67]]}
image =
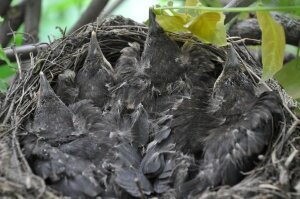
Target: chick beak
{"points": [[153, 25], [130, 105], [45, 87], [95, 51]]}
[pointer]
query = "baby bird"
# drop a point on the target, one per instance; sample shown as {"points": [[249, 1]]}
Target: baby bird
{"points": [[133, 84], [95, 75], [161, 55], [66, 89], [67, 146], [52, 118], [246, 125]]}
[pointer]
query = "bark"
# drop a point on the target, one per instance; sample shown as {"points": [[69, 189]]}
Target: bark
{"points": [[4, 7], [32, 20], [236, 4], [110, 9], [90, 14], [24, 51], [13, 19], [250, 28]]}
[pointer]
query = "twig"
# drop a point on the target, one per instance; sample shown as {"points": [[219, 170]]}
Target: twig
{"points": [[246, 41], [238, 10], [9, 112], [18, 63], [292, 129], [25, 50], [290, 158]]}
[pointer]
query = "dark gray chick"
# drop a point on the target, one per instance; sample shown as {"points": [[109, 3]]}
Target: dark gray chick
{"points": [[133, 84], [70, 175], [133, 133], [246, 126], [52, 118], [95, 75], [66, 88], [161, 55], [68, 146]]}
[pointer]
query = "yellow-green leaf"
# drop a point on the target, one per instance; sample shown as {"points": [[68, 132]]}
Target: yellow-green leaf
{"points": [[288, 78], [172, 23], [273, 44], [185, 17], [191, 2], [220, 33], [209, 28]]}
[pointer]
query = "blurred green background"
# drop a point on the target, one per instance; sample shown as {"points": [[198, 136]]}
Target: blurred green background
{"points": [[64, 13]]}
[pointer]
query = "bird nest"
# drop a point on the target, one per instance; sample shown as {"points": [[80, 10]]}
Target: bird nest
{"points": [[276, 176]]}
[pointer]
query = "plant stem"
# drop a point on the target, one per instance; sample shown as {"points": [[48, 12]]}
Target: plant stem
{"points": [[240, 9]]}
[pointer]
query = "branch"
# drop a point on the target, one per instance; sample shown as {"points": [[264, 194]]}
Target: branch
{"points": [[32, 20], [13, 19], [90, 14], [24, 50], [250, 28], [107, 11], [236, 4], [4, 7], [258, 56]]}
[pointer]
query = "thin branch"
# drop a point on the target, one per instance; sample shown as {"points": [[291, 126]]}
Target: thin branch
{"points": [[13, 19], [233, 9], [32, 19], [109, 9], [9, 112], [18, 62], [4, 7], [24, 50], [90, 14]]}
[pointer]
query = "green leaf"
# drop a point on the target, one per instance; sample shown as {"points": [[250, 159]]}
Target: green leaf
{"points": [[6, 71], [288, 77], [62, 6], [19, 40], [273, 44], [3, 57], [191, 2], [209, 28], [173, 23]]}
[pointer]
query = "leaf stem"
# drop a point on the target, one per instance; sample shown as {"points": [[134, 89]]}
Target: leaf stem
{"points": [[240, 9]]}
